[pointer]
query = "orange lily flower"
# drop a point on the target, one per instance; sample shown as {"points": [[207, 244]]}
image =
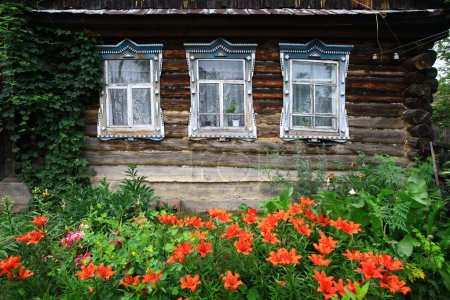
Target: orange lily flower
{"points": [[232, 231], [243, 246], [169, 219], [269, 237], [393, 284], [284, 257], [151, 277], [319, 260], [220, 215], [87, 272], [24, 274], [306, 201], [353, 255], [129, 280], [105, 272], [250, 217], [326, 244], [196, 222], [345, 226], [300, 226], [190, 282], [204, 248], [231, 281], [39, 221], [9, 264], [326, 284], [369, 270], [391, 264]]}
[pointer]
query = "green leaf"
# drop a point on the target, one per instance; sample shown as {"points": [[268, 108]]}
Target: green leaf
{"points": [[253, 294], [405, 246], [417, 189]]}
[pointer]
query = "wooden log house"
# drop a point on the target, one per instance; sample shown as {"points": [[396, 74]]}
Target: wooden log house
{"points": [[333, 77]]}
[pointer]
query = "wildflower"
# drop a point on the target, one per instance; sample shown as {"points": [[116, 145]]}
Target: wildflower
{"points": [[390, 264], [352, 192], [180, 252], [190, 282], [326, 244], [23, 238], [83, 260], [231, 281], [196, 222], [281, 283], [295, 209], [268, 223], [220, 215], [306, 201], [204, 248], [319, 260], [370, 270], [300, 226], [151, 277], [9, 264], [87, 272], [129, 280], [105, 272], [282, 215], [90, 289], [344, 225], [24, 273], [351, 286], [169, 219], [393, 284], [284, 257], [200, 235], [232, 231], [35, 236], [269, 237], [353, 255], [250, 217], [326, 284], [39, 221], [72, 237], [243, 246]]}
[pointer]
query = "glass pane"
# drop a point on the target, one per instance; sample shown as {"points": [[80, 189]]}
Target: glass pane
{"points": [[301, 98], [209, 98], [220, 70], [141, 107], [209, 120], [301, 121], [324, 71], [128, 71], [324, 99], [301, 70], [233, 98], [324, 122], [234, 120], [119, 108]]}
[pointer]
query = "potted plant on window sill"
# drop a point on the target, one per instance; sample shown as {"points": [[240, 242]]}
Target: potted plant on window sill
{"points": [[231, 110]]}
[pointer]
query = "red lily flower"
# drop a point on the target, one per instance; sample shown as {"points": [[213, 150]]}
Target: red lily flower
{"points": [[319, 260], [284, 257], [232, 231], [204, 248], [231, 281], [151, 277], [129, 280], [190, 282], [39, 221], [393, 284], [326, 244], [24, 274], [105, 272], [370, 270], [87, 272]]}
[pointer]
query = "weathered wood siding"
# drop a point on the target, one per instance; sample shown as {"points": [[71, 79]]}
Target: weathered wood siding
{"points": [[239, 4]]}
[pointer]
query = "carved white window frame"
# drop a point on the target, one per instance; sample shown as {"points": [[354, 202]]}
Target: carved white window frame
{"points": [[319, 52], [221, 49], [128, 50]]}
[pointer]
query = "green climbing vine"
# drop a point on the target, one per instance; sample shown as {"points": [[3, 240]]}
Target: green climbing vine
{"points": [[48, 74]]}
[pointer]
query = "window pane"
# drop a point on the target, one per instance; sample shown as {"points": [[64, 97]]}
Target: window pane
{"points": [[301, 70], [209, 120], [128, 71], [324, 99], [234, 120], [141, 107], [119, 108], [324, 71], [301, 121], [301, 98], [209, 98], [220, 70], [324, 122], [233, 98]]}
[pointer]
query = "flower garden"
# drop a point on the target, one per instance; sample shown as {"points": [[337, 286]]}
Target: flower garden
{"points": [[93, 243]]}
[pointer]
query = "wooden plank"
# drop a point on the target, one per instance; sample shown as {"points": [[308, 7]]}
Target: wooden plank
{"points": [[175, 80], [375, 84], [370, 97], [376, 71], [175, 66], [267, 67], [261, 146], [392, 136], [376, 123], [375, 110]]}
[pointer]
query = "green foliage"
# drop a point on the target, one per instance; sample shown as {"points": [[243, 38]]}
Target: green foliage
{"points": [[400, 210], [48, 73], [441, 109]]}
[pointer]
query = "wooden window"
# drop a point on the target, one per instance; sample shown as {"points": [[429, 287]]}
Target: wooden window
{"points": [[221, 94], [129, 106], [314, 91]]}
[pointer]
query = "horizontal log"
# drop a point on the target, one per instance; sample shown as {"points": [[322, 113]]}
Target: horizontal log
{"points": [[375, 84], [417, 142], [208, 159], [268, 94], [368, 97], [418, 90], [418, 102], [375, 110], [375, 71], [420, 130], [421, 76], [174, 66], [175, 80], [416, 116], [177, 92], [375, 122], [265, 146], [391, 136], [421, 61], [267, 55], [174, 54], [267, 81], [433, 83], [264, 67]]}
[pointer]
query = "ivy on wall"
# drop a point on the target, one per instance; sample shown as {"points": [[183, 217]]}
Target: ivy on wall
{"points": [[47, 76]]}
